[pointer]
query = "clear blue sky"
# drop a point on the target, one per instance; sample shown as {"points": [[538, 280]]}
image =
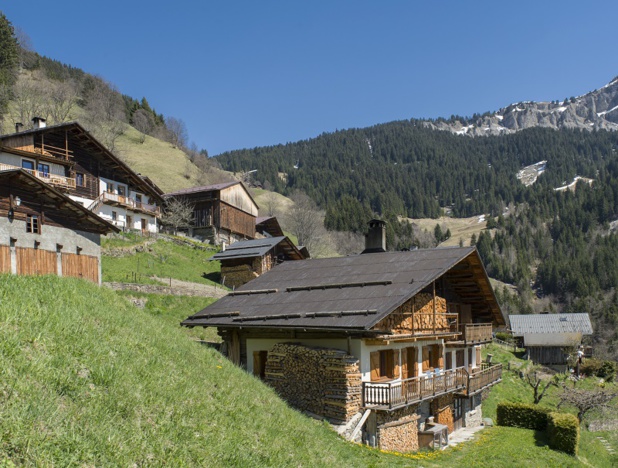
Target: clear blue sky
{"points": [[251, 73]]}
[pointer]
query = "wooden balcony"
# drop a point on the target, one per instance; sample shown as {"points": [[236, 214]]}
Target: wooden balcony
{"points": [[397, 394], [473, 333], [48, 177], [482, 378], [121, 200]]}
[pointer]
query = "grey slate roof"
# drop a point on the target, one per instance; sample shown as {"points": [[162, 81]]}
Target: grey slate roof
{"points": [[550, 323], [347, 293], [248, 248]]}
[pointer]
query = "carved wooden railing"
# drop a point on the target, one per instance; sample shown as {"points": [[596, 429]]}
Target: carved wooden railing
{"points": [[52, 179], [407, 391], [130, 203], [484, 377], [476, 332]]}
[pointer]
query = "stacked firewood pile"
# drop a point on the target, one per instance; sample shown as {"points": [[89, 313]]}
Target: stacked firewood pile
{"points": [[236, 276], [416, 316], [323, 381]]}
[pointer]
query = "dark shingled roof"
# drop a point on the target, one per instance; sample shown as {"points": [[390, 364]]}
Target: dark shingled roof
{"points": [[346, 293], [550, 323], [248, 248]]}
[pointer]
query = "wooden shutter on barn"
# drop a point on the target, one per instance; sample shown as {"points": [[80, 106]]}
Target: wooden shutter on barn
{"points": [[374, 362], [397, 373], [404, 364], [412, 361], [440, 357]]}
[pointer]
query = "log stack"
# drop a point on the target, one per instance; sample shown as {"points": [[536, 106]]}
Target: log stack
{"points": [[323, 381], [416, 316]]}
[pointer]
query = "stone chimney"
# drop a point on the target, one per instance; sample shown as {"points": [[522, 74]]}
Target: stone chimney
{"points": [[39, 122], [375, 239], [18, 127]]}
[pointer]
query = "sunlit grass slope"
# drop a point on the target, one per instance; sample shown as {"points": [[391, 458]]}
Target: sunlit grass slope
{"points": [[88, 380]]}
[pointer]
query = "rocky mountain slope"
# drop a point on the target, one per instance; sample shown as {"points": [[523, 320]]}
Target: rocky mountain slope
{"points": [[595, 110]]}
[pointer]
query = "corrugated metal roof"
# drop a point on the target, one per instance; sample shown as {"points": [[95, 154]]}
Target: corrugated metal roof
{"points": [[375, 283], [248, 248], [550, 323]]}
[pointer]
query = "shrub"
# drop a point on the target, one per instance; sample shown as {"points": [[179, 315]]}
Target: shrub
{"points": [[504, 336], [604, 369], [607, 370], [522, 415], [563, 432]]}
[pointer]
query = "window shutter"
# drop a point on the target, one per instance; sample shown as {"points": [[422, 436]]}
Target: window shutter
{"points": [[404, 364], [396, 365], [478, 356], [374, 361], [439, 357], [426, 363], [412, 361]]}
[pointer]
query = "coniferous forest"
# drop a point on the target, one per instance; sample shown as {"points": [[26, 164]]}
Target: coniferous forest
{"points": [[555, 245]]}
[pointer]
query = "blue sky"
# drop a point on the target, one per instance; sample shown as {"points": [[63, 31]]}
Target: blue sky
{"points": [[247, 73]]}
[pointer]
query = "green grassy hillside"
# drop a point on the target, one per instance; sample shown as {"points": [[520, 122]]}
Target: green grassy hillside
{"points": [[89, 380]]}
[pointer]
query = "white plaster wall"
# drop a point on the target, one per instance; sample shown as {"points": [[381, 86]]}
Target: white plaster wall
{"points": [[81, 200], [266, 344], [49, 238], [104, 184], [366, 350], [15, 160]]}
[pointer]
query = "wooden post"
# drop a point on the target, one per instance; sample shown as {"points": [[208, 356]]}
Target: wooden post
{"points": [[434, 307]]}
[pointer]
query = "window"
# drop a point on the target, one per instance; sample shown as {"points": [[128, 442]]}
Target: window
{"points": [[138, 198], [33, 224], [110, 188], [121, 190], [114, 216], [80, 179], [27, 164], [129, 222], [384, 364], [43, 168]]}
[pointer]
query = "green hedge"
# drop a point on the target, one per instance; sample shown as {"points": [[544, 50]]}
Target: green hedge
{"points": [[522, 415], [563, 432]]}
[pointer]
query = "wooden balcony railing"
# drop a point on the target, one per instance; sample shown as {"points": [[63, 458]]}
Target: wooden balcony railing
{"points": [[404, 392], [476, 332], [484, 377], [48, 177], [122, 200]]}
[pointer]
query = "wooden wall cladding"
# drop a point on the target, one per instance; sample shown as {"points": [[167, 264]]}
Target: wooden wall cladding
{"points": [[36, 262], [5, 259], [80, 266]]}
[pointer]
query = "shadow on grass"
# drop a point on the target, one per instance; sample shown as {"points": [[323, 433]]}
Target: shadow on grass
{"points": [[540, 438], [215, 276]]}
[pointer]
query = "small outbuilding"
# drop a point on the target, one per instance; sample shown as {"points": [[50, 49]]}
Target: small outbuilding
{"points": [[246, 260], [548, 338]]}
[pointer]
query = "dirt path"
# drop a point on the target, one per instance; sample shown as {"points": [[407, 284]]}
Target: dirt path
{"points": [[177, 288]]}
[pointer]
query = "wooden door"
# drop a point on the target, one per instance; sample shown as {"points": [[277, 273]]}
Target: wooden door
{"points": [[144, 226], [80, 266], [36, 262], [457, 414], [259, 363], [449, 360], [5, 259], [459, 358]]}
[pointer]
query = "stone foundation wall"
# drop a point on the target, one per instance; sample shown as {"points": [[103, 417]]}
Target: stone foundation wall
{"points": [[473, 414], [442, 409]]}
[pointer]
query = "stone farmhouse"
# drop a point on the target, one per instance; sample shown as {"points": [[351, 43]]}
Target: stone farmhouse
{"points": [[42, 231], [71, 160], [385, 344], [222, 213]]}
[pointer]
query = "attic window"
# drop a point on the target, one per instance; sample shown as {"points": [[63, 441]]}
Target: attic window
{"points": [[80, 179], [33, 224]]}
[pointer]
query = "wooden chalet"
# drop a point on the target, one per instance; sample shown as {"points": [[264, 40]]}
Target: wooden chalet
{"points": [[223, 213], [42, 231], [268, 226], [68, 158], [387, 344], [550, 338], [244, 261]]}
